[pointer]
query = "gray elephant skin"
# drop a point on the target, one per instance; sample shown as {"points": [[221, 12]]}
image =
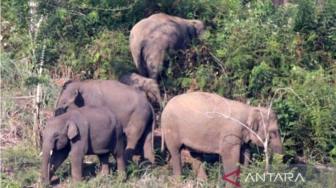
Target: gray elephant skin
{"points": [[209, 123], [130, 106], [149, 86], [151, 37], [80, 132]]}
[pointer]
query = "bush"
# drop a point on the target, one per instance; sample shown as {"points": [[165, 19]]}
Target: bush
{"points": [[108, 55], [306, 114]]}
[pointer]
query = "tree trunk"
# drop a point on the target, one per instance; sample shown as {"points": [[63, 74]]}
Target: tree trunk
{"points": [[37, 104], [33, 31]]}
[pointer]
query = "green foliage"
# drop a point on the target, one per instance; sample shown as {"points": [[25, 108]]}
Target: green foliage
{"points": [[21, 165], [261, 80], [306, 115], [108, 55], [311, 176], [16, 12], [316, 27]]}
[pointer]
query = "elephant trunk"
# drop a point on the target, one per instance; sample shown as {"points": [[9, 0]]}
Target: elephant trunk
{"points": [[276, 146], [46, 170], [277, 149]]}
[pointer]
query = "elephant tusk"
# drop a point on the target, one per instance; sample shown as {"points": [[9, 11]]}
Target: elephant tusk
{"points": [[41, 154], [51, 152]]}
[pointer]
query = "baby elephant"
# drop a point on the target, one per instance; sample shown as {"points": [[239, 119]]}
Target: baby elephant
{"points": [[209, 123], [80, 132]]}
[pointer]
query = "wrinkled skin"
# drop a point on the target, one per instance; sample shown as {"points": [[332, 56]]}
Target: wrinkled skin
{"points": [[151, 37], [195, 120], [147, 85], [130, 106], [80, 132]]}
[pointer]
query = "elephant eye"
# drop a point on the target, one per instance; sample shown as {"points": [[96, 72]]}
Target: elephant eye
{"points": [[274, 134]]}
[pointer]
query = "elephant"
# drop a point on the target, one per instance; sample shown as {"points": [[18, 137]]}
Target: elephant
{"points": [[151, 37], [130, 106], [80, 132], [147, 85], [208, 123]]}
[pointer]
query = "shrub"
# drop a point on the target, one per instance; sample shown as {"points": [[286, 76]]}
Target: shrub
{"points": [[21, 166], [306, 115]]}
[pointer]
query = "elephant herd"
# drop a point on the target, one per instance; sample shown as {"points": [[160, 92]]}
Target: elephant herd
{"points": [[103, 117]]}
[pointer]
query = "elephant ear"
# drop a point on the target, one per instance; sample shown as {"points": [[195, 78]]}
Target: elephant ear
{"points": [[253, 120], [72, 129], [192, 32], [78, 98], [253, 123], [198, 27]]}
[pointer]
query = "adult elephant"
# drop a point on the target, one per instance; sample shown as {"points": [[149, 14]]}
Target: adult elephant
{"points": [[151, 37], [130, 106], [209, 123]]}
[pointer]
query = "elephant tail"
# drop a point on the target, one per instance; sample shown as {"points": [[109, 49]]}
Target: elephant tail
{"points": [[162, 140], [153, 124]]}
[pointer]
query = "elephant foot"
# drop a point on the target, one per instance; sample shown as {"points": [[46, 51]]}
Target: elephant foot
{"points": [[122, 176], [54, 181], [201, 174], [136, 159], [128, 156], [105, 170]]}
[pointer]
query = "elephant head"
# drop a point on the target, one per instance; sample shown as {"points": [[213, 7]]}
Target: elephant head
{"points": [[264, 122], [56, 145], [197, 28], [149, 86], [70, 97]]}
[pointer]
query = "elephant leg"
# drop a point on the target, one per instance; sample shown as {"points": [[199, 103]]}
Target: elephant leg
{"points": [[201, 173], [77, 166], [154, 63], [136, 51], [196, 164], [58, 159], [176, 161], [174, 149], [148, 149], [120, 164], [230, 158], [245, 155], [133, 133], [130, 148], [119, 154], [104, 161]]}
